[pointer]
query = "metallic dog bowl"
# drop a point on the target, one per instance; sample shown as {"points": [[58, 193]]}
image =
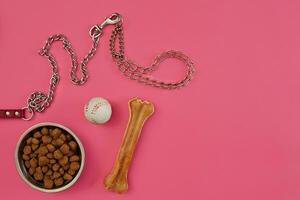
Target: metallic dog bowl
{"points": [[22, 169]]}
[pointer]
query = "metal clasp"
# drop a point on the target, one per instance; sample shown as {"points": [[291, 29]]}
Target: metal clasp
{"points": [[96, 30]]}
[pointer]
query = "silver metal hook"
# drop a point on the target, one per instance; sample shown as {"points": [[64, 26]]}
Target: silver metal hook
{"points": [[96, 30], [113, 19]]}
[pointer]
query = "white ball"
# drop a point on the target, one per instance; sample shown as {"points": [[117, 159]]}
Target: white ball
{"points": [[97, 110]]}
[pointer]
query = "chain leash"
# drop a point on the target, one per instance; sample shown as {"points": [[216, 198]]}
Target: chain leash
{"points": [[39, 101]]}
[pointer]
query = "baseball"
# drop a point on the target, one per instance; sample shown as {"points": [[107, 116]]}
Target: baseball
{"points": [[97, 110]]}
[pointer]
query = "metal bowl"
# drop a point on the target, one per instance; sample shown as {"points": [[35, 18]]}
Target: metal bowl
{"points": [[22, 169]]}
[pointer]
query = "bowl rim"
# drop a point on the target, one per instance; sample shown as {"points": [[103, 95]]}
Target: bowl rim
{"points": [[80, 147]]}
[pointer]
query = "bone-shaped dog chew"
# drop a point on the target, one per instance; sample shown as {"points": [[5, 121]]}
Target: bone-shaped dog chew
{"points": [[139, 110]]}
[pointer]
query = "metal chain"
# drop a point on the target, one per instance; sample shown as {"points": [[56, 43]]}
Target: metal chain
{"points": [[141, 74], [39, 101]]}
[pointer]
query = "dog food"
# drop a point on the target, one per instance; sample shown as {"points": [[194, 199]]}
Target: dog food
{"points": [[51, 157]]}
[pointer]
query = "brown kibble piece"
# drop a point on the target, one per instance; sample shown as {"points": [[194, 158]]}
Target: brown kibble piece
{"points": [[58, 181], [33, 162], [38, 170], [47, 177], [74, 158], [56, 133], [48, 183], [59, 142], [71, 172], [35, 141], [25, 157], [34, 146], [42, 150], [27, 150], [28, 141], [73, 145], [61, 171], [67, 177], [65, 149], [55, 167], [46, 139], [58, 154], [56, 175], [74, 166], [27, 163], [45, 131], [38, 176], [62, 137], [37, 135], [43, 160], [63, 161], [31, 170], [51, 147], [49, 172], [45, 169], [69, 137]]}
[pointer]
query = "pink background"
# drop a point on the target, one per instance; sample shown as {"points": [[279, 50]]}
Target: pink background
{"points": [[232, 134]]}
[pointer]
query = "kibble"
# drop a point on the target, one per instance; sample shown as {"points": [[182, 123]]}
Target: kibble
{"points": [[33, 162], [42, 150], [56, 175], [67, 177], [56, 133], [38, 176], [64, 161], [73, 145], [34, 147], [74, 158], [61, 171], [46, 139], [28, 141], [31, 170], [25, 157], [37, 135], [43, 160], [45, 131], [58, 154], [58, 181], [59, 142], [65, 149], [45, 169], [55, 167], [49, 172], [27, 163], [74, 166], [71, 172], [62, 137], [51, 147], [48, 183], [51, 157], [35, 141], [27, 150]]}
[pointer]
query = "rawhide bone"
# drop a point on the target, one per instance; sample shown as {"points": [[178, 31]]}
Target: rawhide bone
{"points": [[139, 111]]}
